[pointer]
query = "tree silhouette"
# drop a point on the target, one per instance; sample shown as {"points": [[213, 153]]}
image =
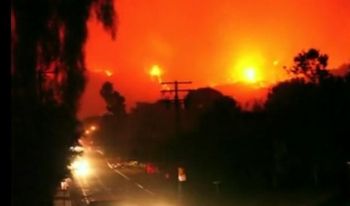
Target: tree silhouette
{"points": [[47, 69], [201, 99], [311, 64], [307, 121], [111, 135], [151, 126], [115, 102]]}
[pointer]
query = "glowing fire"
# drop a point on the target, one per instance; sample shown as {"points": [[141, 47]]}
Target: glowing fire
{"points": [[248, 69], [156, 72], [250, 74], [108, 73]]}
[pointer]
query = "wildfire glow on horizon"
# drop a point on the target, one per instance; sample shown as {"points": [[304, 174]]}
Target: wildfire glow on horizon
{"points": [[250, 74], [210, 43], [156, 72], [106, 72], [248, 69]]}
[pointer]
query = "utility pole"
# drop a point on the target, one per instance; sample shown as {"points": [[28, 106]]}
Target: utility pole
{"points": [[176, 99], [177, 106]]}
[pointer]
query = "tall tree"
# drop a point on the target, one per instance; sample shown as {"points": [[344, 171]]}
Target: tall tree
{"points": [[311, 64], [114, 100], [111, 135], [47, 39]]}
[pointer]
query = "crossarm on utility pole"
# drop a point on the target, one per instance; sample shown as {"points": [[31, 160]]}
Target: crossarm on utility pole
{"points": [[177, 105]]}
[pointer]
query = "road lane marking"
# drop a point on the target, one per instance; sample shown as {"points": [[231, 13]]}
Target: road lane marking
{"points": [[127, 178], [121, 174], [140, 186], [86, 199]]}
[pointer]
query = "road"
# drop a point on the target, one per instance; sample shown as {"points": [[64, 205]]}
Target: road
{"points": [[129, 185], [132, 186]]}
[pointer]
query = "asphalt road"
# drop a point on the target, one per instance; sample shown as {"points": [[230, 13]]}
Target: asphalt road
{"points": [[132, 186], [128, 185]]}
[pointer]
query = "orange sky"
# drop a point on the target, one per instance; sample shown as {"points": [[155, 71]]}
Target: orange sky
{"points": [[208, 42]]}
